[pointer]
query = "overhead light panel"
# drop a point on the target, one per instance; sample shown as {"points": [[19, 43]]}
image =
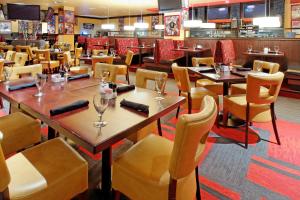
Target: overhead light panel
{"points": [[108, 26], [192, 23], [267, 22], [159, 27], [129, 28]]}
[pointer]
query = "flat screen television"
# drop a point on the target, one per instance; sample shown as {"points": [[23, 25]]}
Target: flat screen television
{"points": [[254, 10], [23, 12], [165, 5], [220, 12]]}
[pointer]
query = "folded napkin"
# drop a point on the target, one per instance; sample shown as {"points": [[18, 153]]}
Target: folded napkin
{"points": [[136, 106], [126, 88], [73, 106], [79, 76], [243, 69], [21, 86]]}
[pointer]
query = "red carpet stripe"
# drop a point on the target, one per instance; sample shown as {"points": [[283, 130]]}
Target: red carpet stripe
{"points": [[276, 165], [274, 181]]}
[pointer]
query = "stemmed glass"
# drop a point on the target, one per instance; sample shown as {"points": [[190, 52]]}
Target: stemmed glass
{"points": [[159, 85], [88, 53], [276, 48], [249, 48], [40, 81], [218, 70], [100, 103], [259, 67], [7, 73]]}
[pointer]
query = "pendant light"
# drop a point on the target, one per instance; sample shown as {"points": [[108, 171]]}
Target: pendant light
{"points": [[141, 25], [108, 26], [129, 27], [192, 23], [267, 21]]}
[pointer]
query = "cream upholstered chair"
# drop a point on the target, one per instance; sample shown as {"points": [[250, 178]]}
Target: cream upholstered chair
{"points": [[157, 168], [101, 67], [10, 55], [26, 49], [1, 78], [123, 69], [208, 84], [142, 78], [48, 64], [30, 70], [51, 170], [101, 59], [20, 131], [253, 106], [97, 52], [20, 59], [240, 88], [194, 95], [77, 55]]}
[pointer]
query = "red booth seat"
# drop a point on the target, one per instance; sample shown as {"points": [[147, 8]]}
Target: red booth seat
{"points": [[165, 51], [81, 39], [121, 45], [224, 52], [93, 43]]}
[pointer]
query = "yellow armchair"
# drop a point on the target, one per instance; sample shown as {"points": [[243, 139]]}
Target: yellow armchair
{"points": [[20, 59], [103, 67], [31, 70], [253, 106], [157, 168]]}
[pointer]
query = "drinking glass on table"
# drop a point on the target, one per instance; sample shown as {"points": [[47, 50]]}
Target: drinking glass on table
{"points": [[160, 84], [259, 67], [7, 74], [249, 48], [276, 49], [100, 103], [40, 81], [218, 70]]}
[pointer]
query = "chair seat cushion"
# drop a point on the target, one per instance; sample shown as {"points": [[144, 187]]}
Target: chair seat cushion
{"points": [[236, 104], [20, 131], [25, 178], [64, 169], [240, 88], [143, 171], [197, 94]]}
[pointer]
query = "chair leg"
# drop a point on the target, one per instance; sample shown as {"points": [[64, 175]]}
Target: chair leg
{"points": [[127, 75], [247, 125], [189, 103], [159, 127], [177, 112], [117, 194], [198, 194], [225, 117], [274, 124]]}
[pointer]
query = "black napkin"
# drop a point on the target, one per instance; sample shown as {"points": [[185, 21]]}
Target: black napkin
{"points": [[73, 106], [79, 76], [126, 88], [136, 106], [21, 86], [243, 69]]}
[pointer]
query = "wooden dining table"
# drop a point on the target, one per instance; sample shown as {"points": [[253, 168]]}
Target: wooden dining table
{"points": [[141, 48], [78, 124], [187, 51]]}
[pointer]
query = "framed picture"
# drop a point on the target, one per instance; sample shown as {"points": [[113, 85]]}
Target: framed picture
{"points": [[69, 17], [172, 25], [5, 27], [154, 21], [296, 12]]}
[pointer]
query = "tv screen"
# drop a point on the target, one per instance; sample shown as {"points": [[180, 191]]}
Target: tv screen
{"points": [[217, 13], [164, 5], [254, 10], [23, 12]]}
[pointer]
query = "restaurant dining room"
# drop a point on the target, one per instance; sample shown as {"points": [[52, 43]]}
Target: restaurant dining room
{"points": [[149, 99]]}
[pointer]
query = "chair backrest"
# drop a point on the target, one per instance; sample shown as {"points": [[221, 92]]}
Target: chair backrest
{"points": [[96, 52], [191, 133], [20, 59], [78, 52], [1, 68], [40, 54], [30, 70], [182, 79], [112, 69], [26, 49], [257, 80], [143, 75], [67, 58], [208, 61], [129, 56], [10, 55], [225, 52], [5, 177], [164, 50], [7, 48], [100, 59], [266, 66]]}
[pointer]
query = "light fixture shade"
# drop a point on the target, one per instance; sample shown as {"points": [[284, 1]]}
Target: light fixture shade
{"points": [[129, 28], [208, 25], [267, 22], [108, 26], [141, 25], [192, 23], [159, 27]]}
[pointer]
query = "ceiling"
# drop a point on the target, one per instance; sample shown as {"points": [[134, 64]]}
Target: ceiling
{"points": [[99, 8]]}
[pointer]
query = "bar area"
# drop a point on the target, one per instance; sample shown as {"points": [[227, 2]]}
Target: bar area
{"points": [[149, 99]]}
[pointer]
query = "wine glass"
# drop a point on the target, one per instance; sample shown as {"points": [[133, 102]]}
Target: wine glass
{"points": [[249, 48], [104, 74], [100, 103], [259, 67], [159, 85], [276, 48], [40, 81], [88, 53], [218, 70], [7, 73]]}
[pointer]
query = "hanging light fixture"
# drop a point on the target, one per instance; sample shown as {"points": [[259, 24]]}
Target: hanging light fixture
{"points": [[207, 25], [107, 26], [192, 23], [141, 25], [129, 27]]}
